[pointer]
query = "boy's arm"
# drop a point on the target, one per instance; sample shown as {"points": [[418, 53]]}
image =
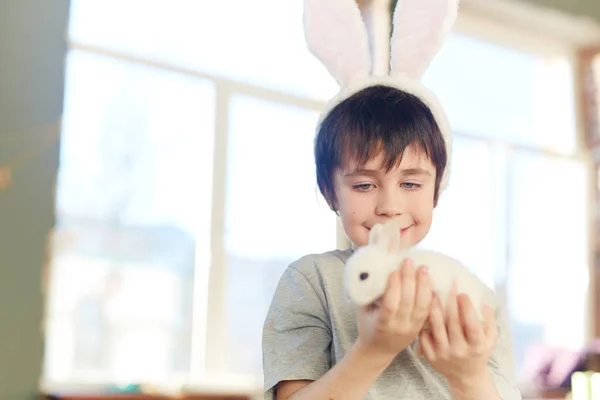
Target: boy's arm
{"points": [[383, 331], [297, 335], [483, 388], [350, 379], [498, 381], [297, 341]]}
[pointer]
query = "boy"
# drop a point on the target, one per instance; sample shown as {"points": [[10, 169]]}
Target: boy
{"points": [[379, 155], [382, 152]]}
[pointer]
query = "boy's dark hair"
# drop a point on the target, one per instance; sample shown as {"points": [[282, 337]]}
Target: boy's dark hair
{"points": [[375, 119]]}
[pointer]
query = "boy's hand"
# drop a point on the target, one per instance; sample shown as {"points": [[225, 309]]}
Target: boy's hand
{"points": [[458, 344], [392, 324]]}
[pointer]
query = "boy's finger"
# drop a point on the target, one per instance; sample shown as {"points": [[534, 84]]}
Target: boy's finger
{"points": [[489, 322], [437, 327], [427, 346], [472, 327], [455, 333], [408, 289], [424, 294], [391, 296]]}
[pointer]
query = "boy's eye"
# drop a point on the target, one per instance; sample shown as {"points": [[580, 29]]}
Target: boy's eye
{"points": [[410, 186], [363, 187]]}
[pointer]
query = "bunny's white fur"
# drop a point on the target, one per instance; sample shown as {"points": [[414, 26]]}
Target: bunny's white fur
{"points": [[367, 270]]}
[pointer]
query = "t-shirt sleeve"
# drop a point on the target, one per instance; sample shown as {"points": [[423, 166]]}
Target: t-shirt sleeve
{"points": [[502, 365], [297, 336]]}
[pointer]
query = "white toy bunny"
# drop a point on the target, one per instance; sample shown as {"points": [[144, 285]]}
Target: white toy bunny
{"points": [[367, 270]]}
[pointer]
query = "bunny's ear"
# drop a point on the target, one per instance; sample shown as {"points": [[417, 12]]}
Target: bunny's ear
{"points": [[419, 29], [375, 235], [337, 36], [391, 235]]}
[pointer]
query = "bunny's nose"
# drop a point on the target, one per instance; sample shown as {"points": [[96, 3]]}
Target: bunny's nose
{"points": [[364, 276]]}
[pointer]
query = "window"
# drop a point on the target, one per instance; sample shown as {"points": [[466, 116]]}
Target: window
{"points": [[261, 43], [549, 225], [516, 206], [148, 105], [133, 200], [274, 215], [503, 94], [186, 186]]}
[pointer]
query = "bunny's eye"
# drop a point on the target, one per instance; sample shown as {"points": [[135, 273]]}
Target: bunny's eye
{"points": [[364, 276]]}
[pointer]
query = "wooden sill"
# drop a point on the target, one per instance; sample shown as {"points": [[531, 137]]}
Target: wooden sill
{"points": [[144, 397]]}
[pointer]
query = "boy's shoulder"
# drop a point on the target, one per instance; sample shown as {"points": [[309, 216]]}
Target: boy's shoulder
{"points": [[314, 277], [323, 271], [321, 263]]}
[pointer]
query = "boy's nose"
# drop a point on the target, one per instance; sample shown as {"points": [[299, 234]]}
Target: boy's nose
{"points": [[389, 205]]}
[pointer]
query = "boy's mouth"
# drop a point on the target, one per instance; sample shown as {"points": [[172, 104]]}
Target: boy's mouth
{"points": [[405, 231]]}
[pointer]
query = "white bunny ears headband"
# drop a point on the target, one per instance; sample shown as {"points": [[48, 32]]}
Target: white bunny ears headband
{"points": [[337, 36]]}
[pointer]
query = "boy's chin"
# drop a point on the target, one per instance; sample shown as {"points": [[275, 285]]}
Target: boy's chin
{"points": [[359, 239]]}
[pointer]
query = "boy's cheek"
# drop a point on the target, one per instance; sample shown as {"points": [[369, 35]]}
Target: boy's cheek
{"points": [[356, 207]]}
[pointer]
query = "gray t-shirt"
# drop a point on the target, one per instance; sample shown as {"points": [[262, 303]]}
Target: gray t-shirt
{"points": [[310, 326]]}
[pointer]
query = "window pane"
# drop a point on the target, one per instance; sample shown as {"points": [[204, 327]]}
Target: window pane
{"points": [[548, 270], [259, 42], [134, 139], [133, 199], [501, 93], [274, 215]]}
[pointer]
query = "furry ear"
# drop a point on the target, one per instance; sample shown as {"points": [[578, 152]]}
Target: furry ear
{"points": [[375, 235], [391, 235], [337, 36], [419, 29]]}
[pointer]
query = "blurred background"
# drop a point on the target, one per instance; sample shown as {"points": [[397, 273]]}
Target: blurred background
{"points": [[156, 178]]}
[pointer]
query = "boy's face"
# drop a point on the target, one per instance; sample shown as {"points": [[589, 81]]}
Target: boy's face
{"points": [[373, 195]]}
